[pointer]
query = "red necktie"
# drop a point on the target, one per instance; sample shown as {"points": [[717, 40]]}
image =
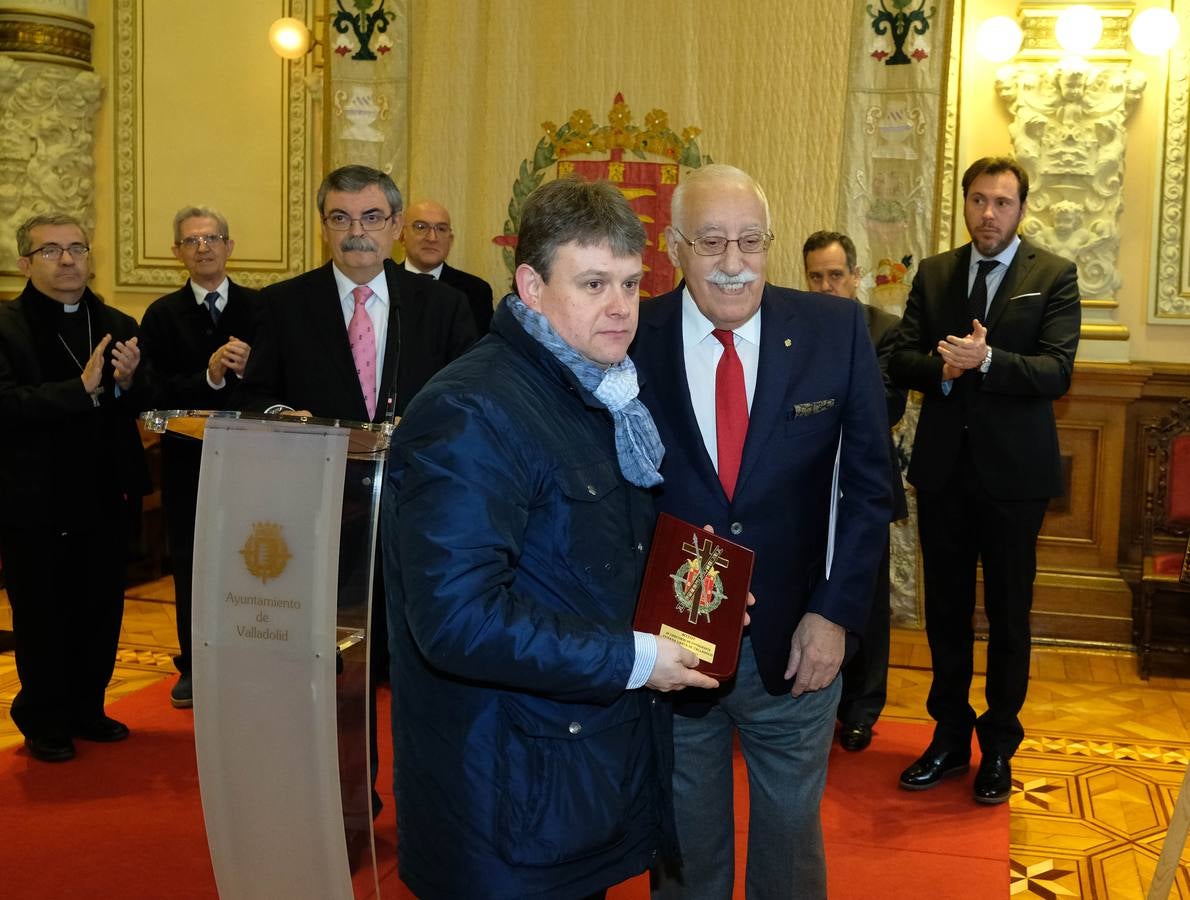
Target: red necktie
{"points": [[363, 348], [731, 411]]}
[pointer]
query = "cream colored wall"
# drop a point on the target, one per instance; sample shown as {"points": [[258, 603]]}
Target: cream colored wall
{"points": [[983, 130], [210, 128], [764, 81]]}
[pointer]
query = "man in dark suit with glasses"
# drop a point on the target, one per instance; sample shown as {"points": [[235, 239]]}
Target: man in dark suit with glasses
{"points": [[428, 237], [356, 338]]}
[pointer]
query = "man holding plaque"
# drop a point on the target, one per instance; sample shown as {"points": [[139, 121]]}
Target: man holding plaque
{"points": [[770, 405], [516, 519]]}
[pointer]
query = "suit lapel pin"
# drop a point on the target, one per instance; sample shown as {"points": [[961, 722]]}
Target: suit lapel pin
{"points": [[788, 342]]}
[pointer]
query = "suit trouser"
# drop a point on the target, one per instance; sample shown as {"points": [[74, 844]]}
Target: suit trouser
{"points": [[67, 596], [958, 526], [181, 459], [865, 677], [786, 742]]}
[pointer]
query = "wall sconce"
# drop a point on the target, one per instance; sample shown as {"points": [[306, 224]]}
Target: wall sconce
{"points": [[1081, 30], [1154, 31], [290, 38], [998, 39], [1078, 29]]}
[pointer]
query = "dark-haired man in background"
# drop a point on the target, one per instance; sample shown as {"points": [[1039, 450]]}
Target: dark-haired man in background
{"points": [[989, 336], [831, 268]]}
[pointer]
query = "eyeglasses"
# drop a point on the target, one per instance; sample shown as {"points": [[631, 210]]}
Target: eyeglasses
{"points": [[369, 221], [442, 229], [53, 252], [715, 245], [196, 240]]}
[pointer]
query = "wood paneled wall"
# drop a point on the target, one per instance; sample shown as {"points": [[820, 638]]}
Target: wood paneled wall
{"points": [[1089, 553]]}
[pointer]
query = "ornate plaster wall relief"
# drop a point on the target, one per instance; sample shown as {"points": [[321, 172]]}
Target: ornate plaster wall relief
{"points": [[1069, 131], [47, 143]]}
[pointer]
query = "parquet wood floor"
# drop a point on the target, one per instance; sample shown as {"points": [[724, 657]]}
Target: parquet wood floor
{"points": [[1095, 780]]}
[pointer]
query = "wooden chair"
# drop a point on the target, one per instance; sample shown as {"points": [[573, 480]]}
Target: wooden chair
{"points": [[1166, 533]]}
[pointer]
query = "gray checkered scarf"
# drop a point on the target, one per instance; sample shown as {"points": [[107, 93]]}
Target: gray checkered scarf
{"points": [[638, 446]]}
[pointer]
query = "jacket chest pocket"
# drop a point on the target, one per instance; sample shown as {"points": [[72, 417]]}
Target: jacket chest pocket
{"points": [[593, 527]]}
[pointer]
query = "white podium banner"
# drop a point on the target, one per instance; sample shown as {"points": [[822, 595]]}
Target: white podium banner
{"points": [[266, 556]]}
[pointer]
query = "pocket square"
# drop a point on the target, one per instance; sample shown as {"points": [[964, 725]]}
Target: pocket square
{"points": [[813, 407], [1023, 296]]}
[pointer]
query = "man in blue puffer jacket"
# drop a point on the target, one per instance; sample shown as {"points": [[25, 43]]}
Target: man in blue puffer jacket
{"points": [[531, 759]]}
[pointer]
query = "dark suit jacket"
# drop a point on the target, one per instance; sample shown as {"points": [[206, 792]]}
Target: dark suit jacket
{"points": [[1033, 329], [65, 463], [816, 379], [882, 330], [479, 295], [302, 358], [177, 334]]}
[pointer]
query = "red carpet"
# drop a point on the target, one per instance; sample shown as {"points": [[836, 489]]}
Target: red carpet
{"points": [[125, 820]]}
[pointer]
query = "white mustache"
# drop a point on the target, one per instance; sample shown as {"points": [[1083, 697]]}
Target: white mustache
{"points": [[358, 243], [721, 278]]}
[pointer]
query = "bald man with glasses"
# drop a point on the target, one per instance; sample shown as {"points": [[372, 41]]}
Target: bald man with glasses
{"points": [[428, 238]]}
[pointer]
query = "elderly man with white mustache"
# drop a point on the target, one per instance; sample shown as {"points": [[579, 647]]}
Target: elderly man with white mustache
{"points": [[771, 407]]}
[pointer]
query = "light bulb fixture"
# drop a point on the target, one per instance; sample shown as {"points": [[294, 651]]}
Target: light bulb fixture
{"points": [[1078, 29], [1154, 31], [289, 38], [998, 39]]}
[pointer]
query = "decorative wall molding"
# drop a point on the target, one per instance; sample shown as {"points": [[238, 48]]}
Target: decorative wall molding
{"points": [[135, 266], [47, 138], [1171, 302], [46, 34]]}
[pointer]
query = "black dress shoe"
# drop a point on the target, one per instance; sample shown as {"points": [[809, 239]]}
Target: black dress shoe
{"points": [[932, 766], [50, 749], [993, 781], [855, 735], [181, 695], [104, 730]]}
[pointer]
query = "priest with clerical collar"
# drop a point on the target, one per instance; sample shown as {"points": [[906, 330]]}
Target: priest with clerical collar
{"points": [[71, 471]]}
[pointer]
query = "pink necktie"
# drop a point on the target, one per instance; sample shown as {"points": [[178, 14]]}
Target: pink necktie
{"points": [[731, 411], [363, 347]]}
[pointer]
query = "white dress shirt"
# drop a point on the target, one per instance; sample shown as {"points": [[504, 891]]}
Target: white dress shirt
{"points": [[702, 352]]}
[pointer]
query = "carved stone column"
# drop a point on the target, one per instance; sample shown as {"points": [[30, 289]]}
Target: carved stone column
{"points": [[365, 101], [1069, 131], [48, 100]]}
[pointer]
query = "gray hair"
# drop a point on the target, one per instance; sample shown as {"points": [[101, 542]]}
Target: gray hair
{"points": [[573, 211], [25, 238], [353, 179], [717, 172], [199, 212]]}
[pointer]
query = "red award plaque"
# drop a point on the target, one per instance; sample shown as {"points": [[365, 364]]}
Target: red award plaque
{"points": [[695, 593]]}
